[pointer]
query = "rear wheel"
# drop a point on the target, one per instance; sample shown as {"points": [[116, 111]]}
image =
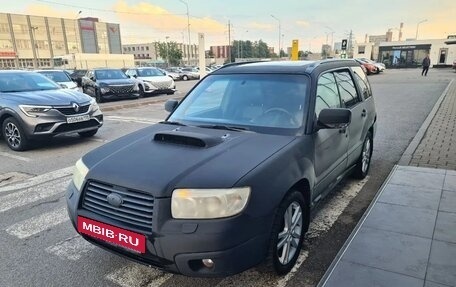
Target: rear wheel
{"points": [[287, 234], [364, 160], [185, 78], [14, 135], [88, 134]]}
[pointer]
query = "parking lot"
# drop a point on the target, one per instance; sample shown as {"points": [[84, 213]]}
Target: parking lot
{"points": [[48, 252]]}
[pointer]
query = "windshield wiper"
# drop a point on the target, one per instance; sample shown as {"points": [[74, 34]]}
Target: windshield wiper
{"points": [[224, 127], [172, 123]]}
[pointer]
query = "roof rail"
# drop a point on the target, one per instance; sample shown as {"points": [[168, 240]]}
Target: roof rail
{"points": [[239, 63]]}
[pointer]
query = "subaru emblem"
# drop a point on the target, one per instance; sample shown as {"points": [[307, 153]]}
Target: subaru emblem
{"points": [[114, 199], [75, 107]]}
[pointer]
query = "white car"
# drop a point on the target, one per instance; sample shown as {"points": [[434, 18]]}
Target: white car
{"points": [[60, 77], [152, 81]]}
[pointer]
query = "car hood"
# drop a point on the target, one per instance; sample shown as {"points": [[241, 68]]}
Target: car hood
{"points": [[116, 82], [59, 97], [158, 159], [157, 79]]}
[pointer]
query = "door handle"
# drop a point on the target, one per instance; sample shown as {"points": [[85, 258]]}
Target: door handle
{"points": [[364, 113]]}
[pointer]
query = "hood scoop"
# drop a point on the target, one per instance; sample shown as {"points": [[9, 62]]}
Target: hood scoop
{"points": [[187, 139]]}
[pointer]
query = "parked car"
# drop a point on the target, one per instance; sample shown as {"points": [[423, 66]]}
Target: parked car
{"points": [[107, 84], [229, 179], [60, 77], [33, 107], [76, 76], [189, 74], [380, 66], [370, 68], [173, 75], [152, 81]]}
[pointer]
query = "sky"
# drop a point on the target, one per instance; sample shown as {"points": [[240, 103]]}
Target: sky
{"points": [[312, 22]]}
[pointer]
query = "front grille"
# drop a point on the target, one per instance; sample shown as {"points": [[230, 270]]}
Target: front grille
{"points": [[124, 89], [69, 111], [76, 126], [161, 85], [135, 211]]}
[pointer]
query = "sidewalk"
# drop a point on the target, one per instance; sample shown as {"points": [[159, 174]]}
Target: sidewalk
{"points": [[407, 237]]}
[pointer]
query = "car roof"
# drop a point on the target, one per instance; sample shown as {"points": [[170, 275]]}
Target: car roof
{"points": [[283, 67], [51, 70]]}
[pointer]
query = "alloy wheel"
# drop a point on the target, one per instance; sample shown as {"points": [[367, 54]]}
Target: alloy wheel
{"points": [[13, 135], [288, 238], [366, 155]]}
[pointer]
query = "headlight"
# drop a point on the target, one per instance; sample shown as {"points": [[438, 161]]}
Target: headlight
{"points": [[93, 105], [32, 111], [104, 90], [208, 203], [79, 173]]}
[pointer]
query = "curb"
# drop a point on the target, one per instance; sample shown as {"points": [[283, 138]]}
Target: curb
{"points": [[136, 104], [408, 153]]}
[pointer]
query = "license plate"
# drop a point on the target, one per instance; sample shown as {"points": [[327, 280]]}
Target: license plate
{"points": [[78, 119], [115, 235]]}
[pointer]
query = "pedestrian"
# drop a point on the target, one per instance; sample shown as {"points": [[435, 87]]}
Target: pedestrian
{"points": [[426, 63]]}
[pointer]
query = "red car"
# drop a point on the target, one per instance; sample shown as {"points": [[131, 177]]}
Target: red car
{"points": [[370, 68]]}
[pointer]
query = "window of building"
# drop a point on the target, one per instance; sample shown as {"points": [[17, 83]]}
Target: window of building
{"points": [[361, 49], [142, 48], [147, 48], [132, 48]]}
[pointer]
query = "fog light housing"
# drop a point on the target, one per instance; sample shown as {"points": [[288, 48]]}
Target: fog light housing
{"points": [[208, 263]]}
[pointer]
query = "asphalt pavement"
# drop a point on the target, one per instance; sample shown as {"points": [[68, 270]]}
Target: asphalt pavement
{"points": [[40, 248]]}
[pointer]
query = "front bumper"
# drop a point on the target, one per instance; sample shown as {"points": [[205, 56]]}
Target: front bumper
{"points": [[178, 246], [149, 88], [54, 123]]}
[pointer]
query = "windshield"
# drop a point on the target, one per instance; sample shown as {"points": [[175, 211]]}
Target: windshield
{"points": [[25, 82], [252, 101], [149, 72], [110, 75], [56, 76]]}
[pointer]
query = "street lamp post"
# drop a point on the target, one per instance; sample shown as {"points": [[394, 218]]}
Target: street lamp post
{"points": [[167, 55], [188, 30], [280, 31], [417, 26], [35, 46]]}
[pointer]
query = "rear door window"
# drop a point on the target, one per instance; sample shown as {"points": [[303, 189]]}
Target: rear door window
{"points": [[362, 81], [347, 89]]}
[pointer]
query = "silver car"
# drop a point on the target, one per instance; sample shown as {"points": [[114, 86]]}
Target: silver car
{"points": [[33, 107]]}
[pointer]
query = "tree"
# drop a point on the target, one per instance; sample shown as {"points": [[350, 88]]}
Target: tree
{"points": [[170, 52]]}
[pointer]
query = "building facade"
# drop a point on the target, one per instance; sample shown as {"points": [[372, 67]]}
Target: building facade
{"points": [[221, 51], [146, 54], [411, 53], [28, 41]]}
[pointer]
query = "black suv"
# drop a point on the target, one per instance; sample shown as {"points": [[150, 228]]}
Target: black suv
{"points": [[229, 179], [107, 84]]}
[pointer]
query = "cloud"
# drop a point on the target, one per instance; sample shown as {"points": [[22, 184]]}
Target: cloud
{"points": [[261, 26], [160, 19], [302, 23], [49, 11]]}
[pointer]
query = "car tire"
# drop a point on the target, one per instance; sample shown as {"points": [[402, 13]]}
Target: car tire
{"points": [[88, 134], [98, 96], [286, 236], [170, 93], [363, 164], [14, 135], [185, 78], [141, 91]]}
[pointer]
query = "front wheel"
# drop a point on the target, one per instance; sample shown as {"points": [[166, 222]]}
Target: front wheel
{"points": [[364, 160], [141, 91], [88, 134], [98, 96], [14, 135], [287, 234], [185, 78]]}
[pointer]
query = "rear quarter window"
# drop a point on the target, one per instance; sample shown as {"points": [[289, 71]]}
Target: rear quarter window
{"points": [[362, 81]]}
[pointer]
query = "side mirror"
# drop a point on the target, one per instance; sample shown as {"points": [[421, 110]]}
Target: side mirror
{"points": [[135, 76], [170, 105], [129, 76], [334, 118], [93, 79]]}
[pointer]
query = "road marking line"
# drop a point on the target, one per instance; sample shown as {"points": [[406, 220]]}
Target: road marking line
{"points": [[72, 248], [39, 179], [132, 119], [32, 194], [13, 156], [321, 223], [134, 275], [38, 224]]}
